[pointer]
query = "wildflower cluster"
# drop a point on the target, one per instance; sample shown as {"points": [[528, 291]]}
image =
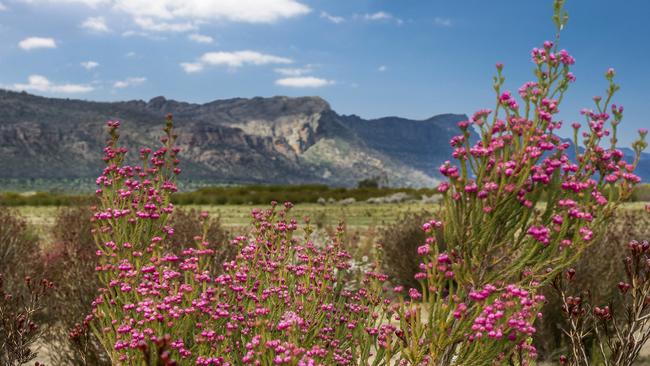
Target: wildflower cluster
{"points": [[281, 300], [519, 206]]}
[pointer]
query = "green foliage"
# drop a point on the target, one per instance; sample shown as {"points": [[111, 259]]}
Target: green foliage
{"points": [[264, 194], [257, 195], [43, 199]]}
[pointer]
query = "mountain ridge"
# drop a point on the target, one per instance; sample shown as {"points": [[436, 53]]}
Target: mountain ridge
{"points": [[278, 139]]}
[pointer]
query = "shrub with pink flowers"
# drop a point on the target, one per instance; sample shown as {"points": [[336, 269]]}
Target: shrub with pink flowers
{"points": [[519, 206], [281, 300]]}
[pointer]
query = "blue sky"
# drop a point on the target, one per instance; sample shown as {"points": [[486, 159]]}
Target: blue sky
{"points": [[411, 58]]}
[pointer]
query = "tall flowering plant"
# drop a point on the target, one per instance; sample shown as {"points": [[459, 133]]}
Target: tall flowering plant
{"points": [[519, 206], [282, 300], [130, 223]]}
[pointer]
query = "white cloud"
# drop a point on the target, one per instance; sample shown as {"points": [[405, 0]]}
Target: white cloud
{"points": [[250, 11], [2, 7], [132, 81], [133, 33], [293, 71], [95, 24], [156, 26], [443, 22], [380, 15], [40, 83], [89, 65], [130, 54], [233, 60], [89, 3], [241, 58], [187, 15], [32, 43], [332, 18], [382, 68], [192, 67], [303, 82], [200, 38]]}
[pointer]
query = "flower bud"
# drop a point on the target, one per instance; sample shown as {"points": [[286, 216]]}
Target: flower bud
{"points": [[570, 273]]}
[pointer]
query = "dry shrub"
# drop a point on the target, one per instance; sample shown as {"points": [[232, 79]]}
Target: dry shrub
{"points": [[19, 248], [70, 263], [641, 193], [598, 271], [20, 326], [400, 241], [188, 224], [21, 298]]}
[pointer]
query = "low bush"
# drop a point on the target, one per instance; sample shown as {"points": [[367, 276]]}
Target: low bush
{"points": [[190, 226], [22, 317], [70, 263], [43, 199], [263, 194], [641, 193], [598, 272], [611, 332], [399, 242], [20, 327], [20, 251]]}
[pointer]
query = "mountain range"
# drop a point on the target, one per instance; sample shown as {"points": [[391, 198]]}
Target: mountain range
{"points": [[234, 141], [258, 140]]}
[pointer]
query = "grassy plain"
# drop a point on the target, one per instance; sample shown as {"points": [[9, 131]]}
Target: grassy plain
{"points": [[358, 217]]}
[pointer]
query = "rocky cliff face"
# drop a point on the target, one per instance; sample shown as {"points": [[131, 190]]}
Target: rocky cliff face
{"points": [[270, 140]]}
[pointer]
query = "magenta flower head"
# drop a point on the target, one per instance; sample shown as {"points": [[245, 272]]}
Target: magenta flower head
{"points": [[443, 187], [499, 66], [610, 73], [424, 249], [463, 125], [575, 125], [643, 132], [570, 77], [414, 294], [566, 58], [113, 124]]}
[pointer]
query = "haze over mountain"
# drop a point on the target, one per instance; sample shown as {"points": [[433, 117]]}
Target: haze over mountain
{"points": [[258, 140]]}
